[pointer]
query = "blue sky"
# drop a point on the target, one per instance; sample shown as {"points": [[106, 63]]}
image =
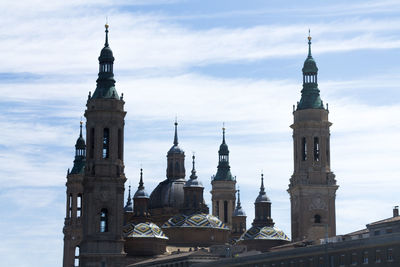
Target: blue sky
{"points": [[207, 62]]}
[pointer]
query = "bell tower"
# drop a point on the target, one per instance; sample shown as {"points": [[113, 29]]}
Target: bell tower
{"points": [[312, 186], [223, 186], [103, 183]]}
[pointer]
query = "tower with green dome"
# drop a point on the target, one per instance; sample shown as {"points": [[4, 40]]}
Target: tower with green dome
{"points": [[223, 186], [312, 186]]}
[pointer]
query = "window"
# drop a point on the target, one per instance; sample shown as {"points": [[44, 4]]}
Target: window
{"points": [[304, 149], [119, 144], [342, 259], [225, 211], [106, 143], [377, 232], [316, 149], [327, 151], [389, 230], [177, 168], [378, 257], [317, 218], [321, 262], [91, 142], [103, 221], [217, 208], [354, 259], [77, 252], [365, 257], [170, 169], [79, 206], [70, 206], [390, 254]]}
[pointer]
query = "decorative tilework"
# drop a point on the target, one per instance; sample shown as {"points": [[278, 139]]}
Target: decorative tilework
{"points": [[264, 233], [200, 220], [141, 230]]}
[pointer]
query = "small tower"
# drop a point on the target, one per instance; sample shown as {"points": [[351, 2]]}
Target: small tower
{"points": [[128, 209], [223, 186], [262, 208], [141, 200], [312, 186], [176, 159], [167, 198], [73, 218], [104, 179], [193, 194], [238, 220]]}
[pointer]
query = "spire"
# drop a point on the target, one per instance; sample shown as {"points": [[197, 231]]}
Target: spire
{"points": [[309, 44], [80, 153], [262, 189], [223, 133], [129, 207], [310, 98], [193, 176], [105, 82], [262, 196], [141, 193], [176, 133], [141, 187], [238, 210], [106, 43], [223, 172]]}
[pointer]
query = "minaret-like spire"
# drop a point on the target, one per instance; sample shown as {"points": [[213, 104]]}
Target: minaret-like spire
{"points": [[262, 196], [176, 132], [80, 132], [80, 153], [238, 206], [223, 172]]}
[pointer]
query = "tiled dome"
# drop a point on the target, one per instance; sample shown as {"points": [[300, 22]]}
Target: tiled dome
{"points": [[199, 220], [143, 230], [264, 233]]}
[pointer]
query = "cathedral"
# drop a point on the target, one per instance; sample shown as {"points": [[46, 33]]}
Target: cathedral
{"points": [[101, 229]]}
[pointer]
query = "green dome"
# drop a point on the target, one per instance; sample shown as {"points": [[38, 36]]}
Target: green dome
{"points": [[310, 66], [143, 230]]}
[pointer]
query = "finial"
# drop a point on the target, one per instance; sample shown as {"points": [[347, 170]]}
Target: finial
{"points": [[223, 132], [309, 43], [176, 132], [129, 200], [80, 133], [238, 202], [141, 179], [106, 26]]}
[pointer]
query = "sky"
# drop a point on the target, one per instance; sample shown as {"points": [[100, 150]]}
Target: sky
{"points": [[206, 62]]}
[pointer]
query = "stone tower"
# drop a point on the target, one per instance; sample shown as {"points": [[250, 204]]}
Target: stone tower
{"points": [[223, 193], [312, 186], [103, 183], [262, 208], [73, 218], [238, 220]]}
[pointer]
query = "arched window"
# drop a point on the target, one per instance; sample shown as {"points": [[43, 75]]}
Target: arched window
{"points": [[317, 218], [177, 168], [70, 206], [304, 149], [79, 206], [103, 221], [316, 149], [225, 211], [170, 168], [119, 144], [77, 253], [106, 143], [91, 142], [217, 208]]}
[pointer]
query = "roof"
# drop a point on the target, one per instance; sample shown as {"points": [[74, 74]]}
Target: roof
{"points": [[168, 193], [264, 233], [143, 230], [198, 220], [388, 220]]}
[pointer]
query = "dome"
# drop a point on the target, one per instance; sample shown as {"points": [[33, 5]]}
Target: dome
{"points": [[141, 193], [168, 193], [239, 212], [197, 220], [106, 54], [264, 233], [193, 183], [175, 149], [143, 230], [80, 143], [262, 198], [309, 65], [223, 149]]}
